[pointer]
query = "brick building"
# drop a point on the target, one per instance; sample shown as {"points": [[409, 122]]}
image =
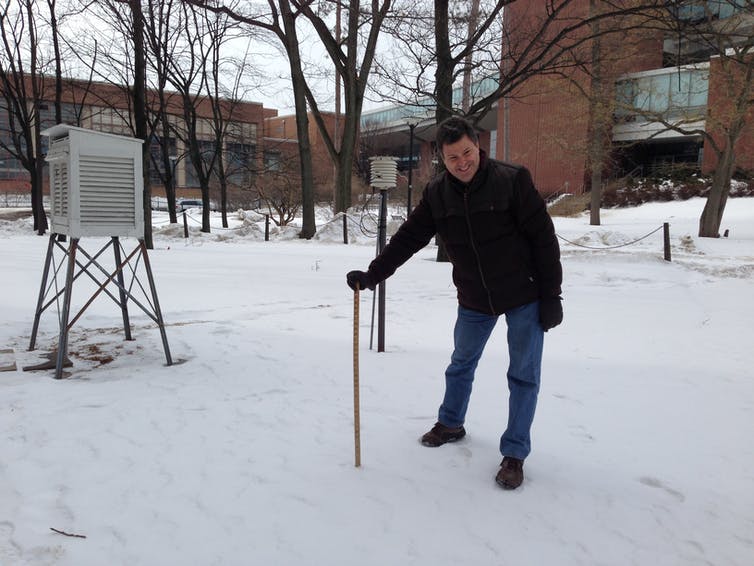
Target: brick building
{"points": [[549, 122], [281, 143], [258, 141], [720, 100]]}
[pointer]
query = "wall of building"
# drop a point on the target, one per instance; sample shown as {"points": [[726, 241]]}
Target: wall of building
{"points": [[284, 127], [546, 132], [548, 122], [104, 107], [720, 100]]}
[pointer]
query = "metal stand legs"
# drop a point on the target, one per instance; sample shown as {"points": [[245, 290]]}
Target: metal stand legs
{"points": [[90, 267]]}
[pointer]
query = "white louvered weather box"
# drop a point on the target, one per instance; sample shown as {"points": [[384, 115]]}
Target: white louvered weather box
{"points": [[96, 183]]}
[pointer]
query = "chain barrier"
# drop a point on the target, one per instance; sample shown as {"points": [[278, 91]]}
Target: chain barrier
{"points": [[361, 223], [610, 247], [367, 216], [214, 228]]}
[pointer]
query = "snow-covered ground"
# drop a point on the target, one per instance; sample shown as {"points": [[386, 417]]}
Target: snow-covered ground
{"points": [[242, 452]]}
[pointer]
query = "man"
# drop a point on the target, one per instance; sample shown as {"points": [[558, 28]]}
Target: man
{"points": [[506, 261]]}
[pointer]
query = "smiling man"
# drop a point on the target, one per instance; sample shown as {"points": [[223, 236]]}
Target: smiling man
{"points": [[506, 262]]}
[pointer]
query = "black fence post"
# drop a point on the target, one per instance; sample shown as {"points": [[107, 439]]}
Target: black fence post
{"points": [[185, 225], [345, 228], [266, 227], [666, 240]]}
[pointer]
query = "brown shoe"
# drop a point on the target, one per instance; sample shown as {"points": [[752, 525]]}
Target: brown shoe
{"points": [[440, 434], [511, 474]]}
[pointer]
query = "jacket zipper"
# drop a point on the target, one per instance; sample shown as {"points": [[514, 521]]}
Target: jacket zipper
{"points": [[473, 247]]}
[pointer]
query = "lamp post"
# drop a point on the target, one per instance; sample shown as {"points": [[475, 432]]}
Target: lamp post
{"points": [[411, 127], [384, 172], [173, 181], [174, 159]]}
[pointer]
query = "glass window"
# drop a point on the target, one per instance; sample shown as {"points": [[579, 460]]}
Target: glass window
{"points": [[672, 93], [272, 161], [207, 150], [156, 165], [698, 88], [624, 96], [643, 94], [700, 10], [239, 164], [679, 90]]}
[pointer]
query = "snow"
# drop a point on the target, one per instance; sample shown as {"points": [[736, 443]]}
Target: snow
{"points": [[242, 452]]}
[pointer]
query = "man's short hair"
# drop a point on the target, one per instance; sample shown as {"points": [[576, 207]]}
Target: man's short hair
{"points": [[453, 129]]}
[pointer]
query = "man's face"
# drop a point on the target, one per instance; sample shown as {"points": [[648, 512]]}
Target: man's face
{"points": [[461, 158]]}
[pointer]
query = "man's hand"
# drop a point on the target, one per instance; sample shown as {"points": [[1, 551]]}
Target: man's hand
{"points": [[363, 279], [550, 312]]}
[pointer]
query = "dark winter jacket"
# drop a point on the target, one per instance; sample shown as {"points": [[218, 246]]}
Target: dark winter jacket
{"points": [[497, 234]]}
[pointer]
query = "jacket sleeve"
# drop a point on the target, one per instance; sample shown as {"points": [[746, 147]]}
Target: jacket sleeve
{"points": [[413, 235], [535, 224]]}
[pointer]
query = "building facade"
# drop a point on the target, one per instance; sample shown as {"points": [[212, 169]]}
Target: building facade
{"points": [[258, 146], [281, 143], [635, 83]]}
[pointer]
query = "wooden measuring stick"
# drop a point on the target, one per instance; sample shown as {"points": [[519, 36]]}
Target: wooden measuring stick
{"points": [[356, 425]]}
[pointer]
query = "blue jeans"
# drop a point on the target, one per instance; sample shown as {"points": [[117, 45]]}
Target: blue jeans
{"points": [[525, 340]]}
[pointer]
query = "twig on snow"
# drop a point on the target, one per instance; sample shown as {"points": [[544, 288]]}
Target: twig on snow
{"points": [[67, 534]]}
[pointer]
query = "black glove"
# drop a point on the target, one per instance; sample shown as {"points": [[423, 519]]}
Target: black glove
{"points": [[550, 312], [363, 279]]}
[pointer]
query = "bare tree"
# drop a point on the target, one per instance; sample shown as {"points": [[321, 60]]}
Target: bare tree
{"points": [[116, 53], [436, 46], [468, 61], [278, 189], [139, 95], [437, 42], [280, 22], [731, 42], [228, 135], [162, 40], [351, 51], [21, 89], [53, 22], [187, 73], [726, 126]]}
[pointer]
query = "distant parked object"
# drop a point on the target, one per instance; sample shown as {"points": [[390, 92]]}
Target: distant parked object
{"points": [[181, 205], [186, 204], [161, 203]]}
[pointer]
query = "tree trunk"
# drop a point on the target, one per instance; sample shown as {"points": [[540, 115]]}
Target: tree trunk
{"points": [[224, 200], [342, 181], [170, 165], [712, 215], [346, 155], [37, 205], [344, 161], [34, 136], [140, 115], [469, 60], [443, 84], [37, 180], [597, 110], [308, 223], [290, 41], [354, 96], [58, 62]]}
